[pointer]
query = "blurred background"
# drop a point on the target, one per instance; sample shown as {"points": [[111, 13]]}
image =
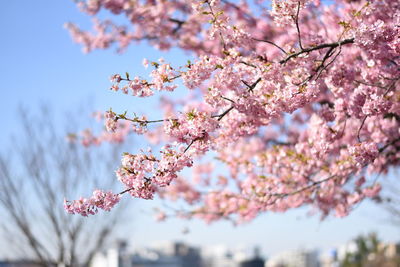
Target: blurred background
{"points": [[49, 88]]}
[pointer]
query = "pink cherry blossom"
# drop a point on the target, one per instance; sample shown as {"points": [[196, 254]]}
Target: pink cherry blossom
{"points": [[99, 200], [294, 104]]}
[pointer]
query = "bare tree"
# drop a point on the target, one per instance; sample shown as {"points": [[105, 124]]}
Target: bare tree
{"points": [[37, 172]]}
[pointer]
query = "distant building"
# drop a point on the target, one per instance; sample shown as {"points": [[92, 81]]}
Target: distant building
{"points": [[156, 261], [252, 263], [222, 260], [329, 258], [255, 261], [295, 258], [170, 254], [224, 257], [113, 257]]}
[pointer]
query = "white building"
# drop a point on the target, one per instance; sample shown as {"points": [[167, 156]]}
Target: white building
{"points": [[222, 256], [329, 258], [170, 254], [295, 258], [113, 257]]}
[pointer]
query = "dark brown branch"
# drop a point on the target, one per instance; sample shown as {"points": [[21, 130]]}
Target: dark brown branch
{"points": [[125, 191], [252, 86], [179, 24], [328, 54], [271, 43], [389, 144], [305, 187], [318, 47], [248, 64], [370, 84], [227, 99]]}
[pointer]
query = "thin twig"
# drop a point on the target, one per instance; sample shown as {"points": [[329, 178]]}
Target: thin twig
{"points": [[271, 43], [191, 143], [296, 20], [215, 19], [248, 64], [227, 99], [370, 84], [359, 129]]}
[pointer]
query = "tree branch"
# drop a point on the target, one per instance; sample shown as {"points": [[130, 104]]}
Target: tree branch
{"points": [[318, 47]]}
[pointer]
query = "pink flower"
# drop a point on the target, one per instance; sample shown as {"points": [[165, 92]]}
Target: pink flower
{"points": [[297, 112], [90, 206], [111, 121]]}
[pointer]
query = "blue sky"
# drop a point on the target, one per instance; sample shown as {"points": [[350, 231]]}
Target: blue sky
{"points": [[39, 63]]}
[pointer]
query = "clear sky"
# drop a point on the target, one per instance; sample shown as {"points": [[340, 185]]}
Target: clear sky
{"points": [[39, 63]]}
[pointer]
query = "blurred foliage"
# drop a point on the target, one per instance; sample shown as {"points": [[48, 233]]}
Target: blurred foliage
{"points": [[371, 252]]}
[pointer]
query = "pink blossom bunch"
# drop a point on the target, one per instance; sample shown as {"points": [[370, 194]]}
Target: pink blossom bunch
{"points": [[143, 173], [163, 75], [180, 189], [364, 153], [285, 11], [192, 125], [304, 114], [110, 121], [89, 206], [199, 72]]}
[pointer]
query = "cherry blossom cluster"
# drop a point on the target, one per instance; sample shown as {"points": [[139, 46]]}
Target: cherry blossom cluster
{"points": [[364, 153], [89, 206], [161, 77], [142, 173], [286, 12], [110, 121], [297, 103], [194, 125]]}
